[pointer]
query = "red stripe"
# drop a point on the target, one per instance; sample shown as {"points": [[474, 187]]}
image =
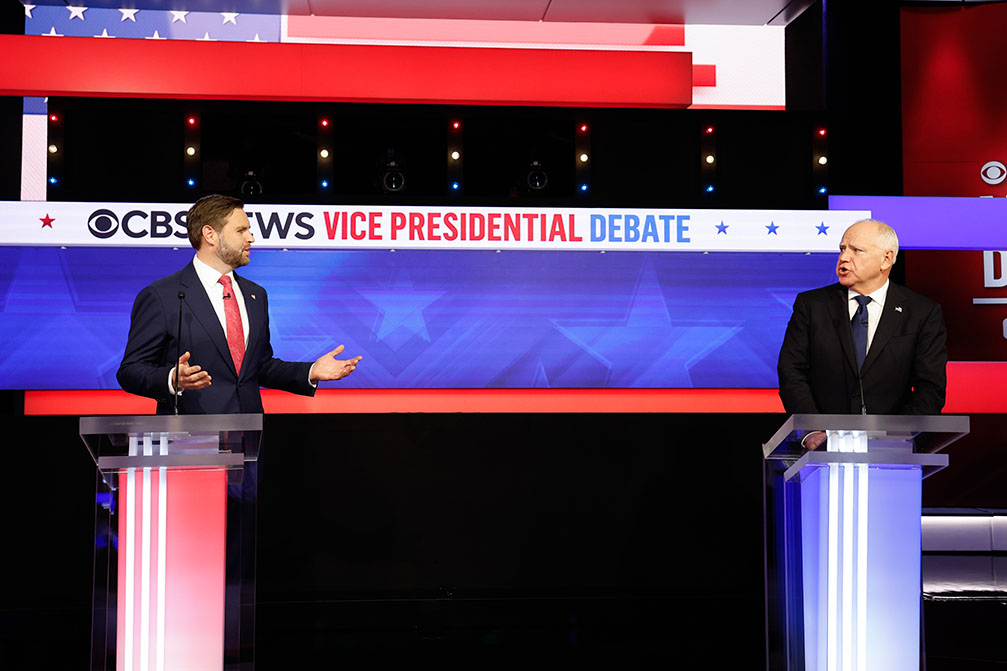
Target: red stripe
{"points": [[973, 387], [81, 66], [704, 75]]}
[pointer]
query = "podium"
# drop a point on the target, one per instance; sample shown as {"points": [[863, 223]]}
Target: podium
{"points": [[843, 538], [174, 563]]}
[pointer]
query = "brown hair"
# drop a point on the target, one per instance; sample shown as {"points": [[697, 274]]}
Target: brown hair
{"points": [[210, 211]]}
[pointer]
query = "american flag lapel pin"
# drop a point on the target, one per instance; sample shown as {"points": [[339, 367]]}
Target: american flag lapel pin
{"points": [[898, 308]]}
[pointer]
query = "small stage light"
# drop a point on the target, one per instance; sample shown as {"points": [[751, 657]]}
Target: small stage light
{"points": [[324, 153], [393, 179], [583, 128], [710, 158], [53, 180], [191, 121], [455, 185], [821, 132], [583, 158], [537, 178], [709, 130], [455, 125], [190, 151], [53, 149], [709, 189], [822, 160], [325, 183], [583, 187], [455, 155], [822, 190], [53, 118], [191, 182], [325, 123]]}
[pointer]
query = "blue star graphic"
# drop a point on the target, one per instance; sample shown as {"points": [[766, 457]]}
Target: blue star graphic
{"points": [[772, 228], [400, 306], [722, 228], [648, 347], [822, 228]]}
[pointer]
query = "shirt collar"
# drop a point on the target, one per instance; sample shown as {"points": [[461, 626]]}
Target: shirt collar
{"points": [[208, 276], [878, 296]]}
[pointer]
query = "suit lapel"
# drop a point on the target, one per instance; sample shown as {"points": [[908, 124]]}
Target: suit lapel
{"points": [[256, 320], [199, 305], [891, 318], [840, 312]]}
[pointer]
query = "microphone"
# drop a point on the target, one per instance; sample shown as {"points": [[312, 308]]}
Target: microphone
{"points": [[178, 343], [226, 296]]}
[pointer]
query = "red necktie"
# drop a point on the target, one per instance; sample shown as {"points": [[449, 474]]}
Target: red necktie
{"points": [[235, 334]]}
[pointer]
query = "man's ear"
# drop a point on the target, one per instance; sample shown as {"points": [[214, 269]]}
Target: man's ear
{"points": [[209, 234], [888, 260]]}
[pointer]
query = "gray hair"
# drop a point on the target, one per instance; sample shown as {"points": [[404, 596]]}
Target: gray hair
{"points": [[886, 238]]}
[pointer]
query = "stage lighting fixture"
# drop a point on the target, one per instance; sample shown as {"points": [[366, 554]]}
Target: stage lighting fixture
{"points": [[325, 183], [250, 185], [191, 182], [709, 189], [821, 132], [455, 155], [583, 187], [709, 130], [583, 128], [456, 125], [324, 123], [191, 121], [822, 160], [537, 178], [324, 153], [710, 158], [822, 190], [393, 179], [53, 180], [53, 149], [190, 151], [455, 186], [584, 158], [54, 118]]}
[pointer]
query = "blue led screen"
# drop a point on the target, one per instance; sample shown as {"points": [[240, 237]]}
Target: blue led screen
{"points": [[435, 319]]}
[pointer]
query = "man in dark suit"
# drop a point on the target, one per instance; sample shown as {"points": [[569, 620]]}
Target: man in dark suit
{"points": [[225, 328], [864, 345]]}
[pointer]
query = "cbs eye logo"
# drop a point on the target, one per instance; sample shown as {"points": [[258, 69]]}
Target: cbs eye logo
{"points": [[103, 223], [993, 172]]}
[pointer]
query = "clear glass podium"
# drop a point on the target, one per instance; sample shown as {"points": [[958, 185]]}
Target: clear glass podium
{"points": [[174, 563], [843, 538]]}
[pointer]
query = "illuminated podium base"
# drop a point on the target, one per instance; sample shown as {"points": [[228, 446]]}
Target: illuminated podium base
{"points": [[174, 541], [849, 538]]}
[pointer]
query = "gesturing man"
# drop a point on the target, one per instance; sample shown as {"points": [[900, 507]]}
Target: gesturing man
{"points": [[224, 328], [866, 344]]}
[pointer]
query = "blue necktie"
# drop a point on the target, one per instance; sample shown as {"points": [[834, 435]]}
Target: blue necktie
{"points": [[859, 324]]}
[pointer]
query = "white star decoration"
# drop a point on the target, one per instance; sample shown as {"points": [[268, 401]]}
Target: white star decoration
{"points": [[128, 15], [104, 33], [155, 36], [52, 33], [27, 10], [254, 39], [77, 12], [205, 38], [230, 17], [178, 16]]}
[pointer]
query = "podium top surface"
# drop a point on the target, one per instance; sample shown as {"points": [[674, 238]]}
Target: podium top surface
{"points": [[925, 433], [172, 423]]}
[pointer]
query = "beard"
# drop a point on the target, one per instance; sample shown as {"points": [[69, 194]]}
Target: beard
{"points": [[232, 256]]}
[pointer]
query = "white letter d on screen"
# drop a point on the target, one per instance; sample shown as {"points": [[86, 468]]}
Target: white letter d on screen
{"points": [[995, 269]]}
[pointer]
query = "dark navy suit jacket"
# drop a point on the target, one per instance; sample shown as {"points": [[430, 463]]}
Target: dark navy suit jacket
{"points": [[903, 374], [150, 351]]}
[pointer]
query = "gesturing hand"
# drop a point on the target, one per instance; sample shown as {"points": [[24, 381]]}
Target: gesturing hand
{"points": [[191, 377], [328, 367]]}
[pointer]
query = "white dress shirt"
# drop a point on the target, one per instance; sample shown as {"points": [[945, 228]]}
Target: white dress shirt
{"points": [[874, 309]]}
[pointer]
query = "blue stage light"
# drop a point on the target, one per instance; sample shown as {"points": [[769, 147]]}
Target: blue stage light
{"points": [[325, 183], [455, 185], [53, 180], [191, 182], [583, 187], [709, 189], [823, 190]]}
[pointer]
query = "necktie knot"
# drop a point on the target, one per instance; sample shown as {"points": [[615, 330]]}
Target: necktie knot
{"points": [[226, 281], [862, 300]]}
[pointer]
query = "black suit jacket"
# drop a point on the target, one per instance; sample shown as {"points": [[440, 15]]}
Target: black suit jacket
{"points": [[150, 351], [903, 374]]}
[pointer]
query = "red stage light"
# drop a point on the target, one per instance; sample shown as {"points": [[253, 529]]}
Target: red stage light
{"points": [[709, 130], [191, 121], [456, 125], [53, 118], [325, 123], [821, 132], [583, 128]]}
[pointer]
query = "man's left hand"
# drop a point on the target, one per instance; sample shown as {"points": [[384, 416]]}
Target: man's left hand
{"points": [[328, 367]]}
